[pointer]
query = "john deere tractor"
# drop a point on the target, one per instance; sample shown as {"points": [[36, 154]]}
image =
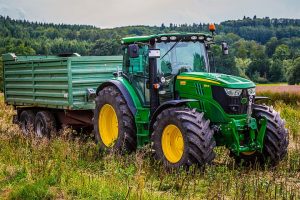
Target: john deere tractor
{"points": [[166, 96]]}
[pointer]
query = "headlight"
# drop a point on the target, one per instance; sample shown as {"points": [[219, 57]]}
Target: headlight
{"points": [[233, 92], [251, 91]]}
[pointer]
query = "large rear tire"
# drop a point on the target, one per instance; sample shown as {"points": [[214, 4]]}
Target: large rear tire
{"points": [[182, 137], [275, 141], [114, 124]]}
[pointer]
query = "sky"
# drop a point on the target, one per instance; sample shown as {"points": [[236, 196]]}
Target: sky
{"points": [[116, 13]]}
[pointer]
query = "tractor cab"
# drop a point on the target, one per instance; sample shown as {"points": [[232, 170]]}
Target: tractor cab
{"points": [[173, 54]]}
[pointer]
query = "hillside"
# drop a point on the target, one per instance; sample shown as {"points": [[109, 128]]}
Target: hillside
{"points": [[43, 38], [262, 49]]}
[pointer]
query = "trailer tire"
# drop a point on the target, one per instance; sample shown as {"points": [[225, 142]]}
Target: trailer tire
{"points": [[114, 124], [44, 124], [27, 121], [182, 137], [275, 141]]}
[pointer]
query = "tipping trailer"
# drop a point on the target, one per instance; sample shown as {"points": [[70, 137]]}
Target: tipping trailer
{"points": [[51, 91]]}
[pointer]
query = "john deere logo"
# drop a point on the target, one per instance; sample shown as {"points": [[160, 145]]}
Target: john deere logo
{"points": [[244, 100]]}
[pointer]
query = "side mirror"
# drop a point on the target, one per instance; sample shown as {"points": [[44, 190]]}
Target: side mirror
{"points": [[133, 50], [224, 48]]}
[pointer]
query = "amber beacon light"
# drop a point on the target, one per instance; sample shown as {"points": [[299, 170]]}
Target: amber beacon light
{"points": [[212, 28]]}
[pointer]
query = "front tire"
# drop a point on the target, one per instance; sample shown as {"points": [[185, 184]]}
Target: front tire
{"points": [[113, 122], [275, 141], [182, 137]]}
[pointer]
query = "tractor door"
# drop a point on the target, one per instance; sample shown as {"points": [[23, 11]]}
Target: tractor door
{"points": [[135, 67]]}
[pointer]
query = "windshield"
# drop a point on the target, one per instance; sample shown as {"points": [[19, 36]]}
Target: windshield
{"points": [[181, 57]]}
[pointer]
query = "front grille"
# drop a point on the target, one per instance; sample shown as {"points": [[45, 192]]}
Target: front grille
{"points": [[231, 105]]}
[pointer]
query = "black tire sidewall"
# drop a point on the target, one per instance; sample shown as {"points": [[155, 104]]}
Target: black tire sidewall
{"points": [[48, 121], [27, 118], [197, 136], [110, 95], [265, 158]]}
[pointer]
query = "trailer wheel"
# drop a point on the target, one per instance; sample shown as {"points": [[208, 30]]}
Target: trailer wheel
{"points": [[114, 124], [27, 121], [182, 137], [275, 141], [44, 124]]}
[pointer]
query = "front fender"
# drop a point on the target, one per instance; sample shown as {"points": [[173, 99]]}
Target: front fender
{"points": [[165, 105]]}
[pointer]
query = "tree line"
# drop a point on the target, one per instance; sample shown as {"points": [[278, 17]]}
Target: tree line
{"points": [[262, 49]]}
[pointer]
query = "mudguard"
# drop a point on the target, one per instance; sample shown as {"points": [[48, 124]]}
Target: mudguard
{"points": [[123, 91], [168, 104]]}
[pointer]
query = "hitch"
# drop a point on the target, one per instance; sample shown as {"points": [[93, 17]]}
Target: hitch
{"points": [[256, 130]]}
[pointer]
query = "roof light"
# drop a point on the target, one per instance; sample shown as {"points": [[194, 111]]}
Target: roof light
{"points": [[194, 37], [201, 37], [173, 38], [164, 38]]}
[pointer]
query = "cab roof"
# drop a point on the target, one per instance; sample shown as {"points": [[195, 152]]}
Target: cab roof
{"points": [[167, 37]]}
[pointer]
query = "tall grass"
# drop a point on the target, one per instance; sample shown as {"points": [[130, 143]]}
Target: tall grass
{"points": [[285, 97], [291, 114], [66, 168]]}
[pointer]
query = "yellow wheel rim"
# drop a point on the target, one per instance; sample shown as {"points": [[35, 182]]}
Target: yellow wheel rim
{"points": [[172, 143], [108, 125]]}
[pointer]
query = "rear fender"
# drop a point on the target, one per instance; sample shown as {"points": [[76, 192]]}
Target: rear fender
{"points": [[123, 91]]}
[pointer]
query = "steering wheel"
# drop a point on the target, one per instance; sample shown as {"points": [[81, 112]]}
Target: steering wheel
{"points": [[181, 67]]}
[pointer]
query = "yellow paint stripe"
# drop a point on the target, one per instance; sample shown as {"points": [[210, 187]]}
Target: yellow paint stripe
{"points": [[196, 79]]}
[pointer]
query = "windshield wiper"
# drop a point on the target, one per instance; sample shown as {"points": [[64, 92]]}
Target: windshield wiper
{"points": [[172, 47]]}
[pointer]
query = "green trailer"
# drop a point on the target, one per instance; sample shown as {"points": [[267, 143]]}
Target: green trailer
{"points": [[61, 87]]}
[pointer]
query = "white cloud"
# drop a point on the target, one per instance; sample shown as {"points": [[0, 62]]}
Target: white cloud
{"points": [[17, 13]]}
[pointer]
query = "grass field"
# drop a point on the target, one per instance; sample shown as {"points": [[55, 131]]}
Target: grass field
{"points": [[69, 167], [279, 88], [289, 94]]}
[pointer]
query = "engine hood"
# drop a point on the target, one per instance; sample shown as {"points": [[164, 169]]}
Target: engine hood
{"points": [[222, 80]]}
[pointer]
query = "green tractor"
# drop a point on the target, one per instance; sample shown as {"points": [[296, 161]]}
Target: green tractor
{"points": [[166, 96]]}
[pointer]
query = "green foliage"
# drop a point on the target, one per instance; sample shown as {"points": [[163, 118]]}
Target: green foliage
{"points": [[36, 190], [271, 46], [276, 73], [282, 52], [1, 74], [293, 72], [260, 65], [224, 63], [105, 47], [258, 79], [242, 65], [292, 116]]}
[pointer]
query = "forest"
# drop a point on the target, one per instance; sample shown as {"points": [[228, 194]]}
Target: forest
{"points": [[262, 49]]}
